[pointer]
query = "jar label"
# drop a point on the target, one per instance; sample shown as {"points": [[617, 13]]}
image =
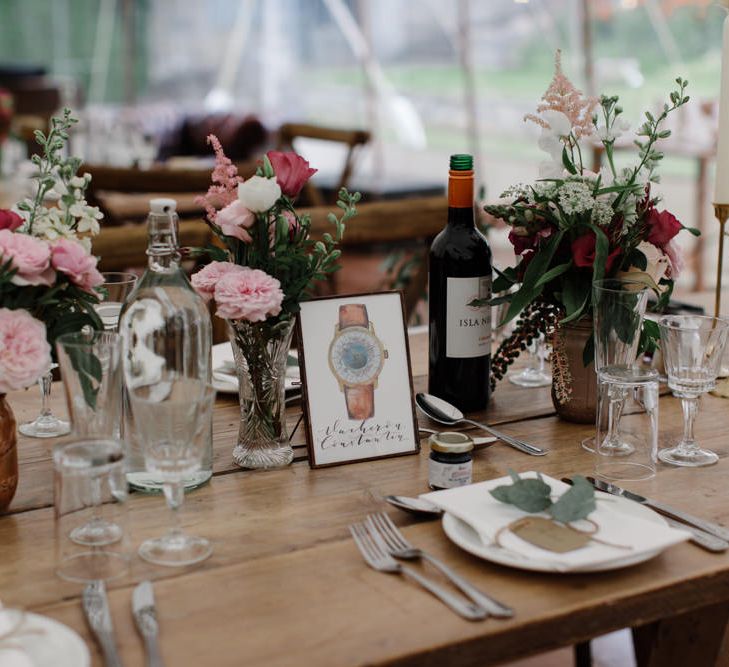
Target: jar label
{"points": [[449, 475], [468, 325]]}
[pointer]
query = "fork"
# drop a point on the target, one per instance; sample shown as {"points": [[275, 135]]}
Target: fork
{"points": [[375, 553], [96, 606], [400, 548]]}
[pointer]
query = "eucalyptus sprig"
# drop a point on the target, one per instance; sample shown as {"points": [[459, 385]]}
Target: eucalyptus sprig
{"points": [[534, 495]]}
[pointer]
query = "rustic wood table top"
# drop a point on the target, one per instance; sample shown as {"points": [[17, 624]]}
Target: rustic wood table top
{"points": [[286, 585]]}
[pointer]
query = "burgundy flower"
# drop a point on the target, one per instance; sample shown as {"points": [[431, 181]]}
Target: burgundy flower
{"points": [[292, 171], [662, 227], [9, 219], [583, 252], [520, 242]]}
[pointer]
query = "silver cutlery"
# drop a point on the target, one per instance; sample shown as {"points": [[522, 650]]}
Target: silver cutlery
{"points": [[145, 616], [443, 412], [375, 554], [677, 514], [699, 537], [96, 607], [400, 548], [416, 506]]}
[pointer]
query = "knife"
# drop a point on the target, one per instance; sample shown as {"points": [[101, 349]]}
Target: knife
{"points": [[145, 616], [699, 537], [96, 607], [676, 514]]}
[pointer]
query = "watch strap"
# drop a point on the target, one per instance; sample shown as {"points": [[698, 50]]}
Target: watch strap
{"points": [[360, 401], [353, 315]]}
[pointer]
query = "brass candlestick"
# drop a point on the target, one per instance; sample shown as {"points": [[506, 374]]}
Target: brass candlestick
{"points": [[721, 211]]}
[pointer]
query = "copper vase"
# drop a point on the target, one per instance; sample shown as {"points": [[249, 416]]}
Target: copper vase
{"points": [[574, 385], [8, 454]]}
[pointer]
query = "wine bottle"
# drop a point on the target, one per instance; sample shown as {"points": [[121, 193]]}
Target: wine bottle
{"points": [[458, 295]]}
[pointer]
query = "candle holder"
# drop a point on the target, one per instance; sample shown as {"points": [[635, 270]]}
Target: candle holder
{"points": [[721, 211]]}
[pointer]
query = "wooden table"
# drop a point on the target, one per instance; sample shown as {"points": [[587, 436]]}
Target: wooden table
{"points": [[286, 585]]}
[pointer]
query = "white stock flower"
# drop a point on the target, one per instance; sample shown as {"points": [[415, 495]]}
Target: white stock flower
{"points": [[617, 130], [559, 124], [259, 194]]}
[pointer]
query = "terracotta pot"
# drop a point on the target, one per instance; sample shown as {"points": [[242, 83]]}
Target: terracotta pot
{"points": [[574, 385], [8, 454]]}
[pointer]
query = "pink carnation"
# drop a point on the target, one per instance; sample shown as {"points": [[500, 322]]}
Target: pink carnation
{"points": [[205, 280], [248, 294], [235, 219], [30, 257], [72, 259], [25, 354]]}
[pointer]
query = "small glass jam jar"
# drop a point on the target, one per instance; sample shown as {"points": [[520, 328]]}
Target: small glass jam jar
{"points": [[451, 462]]}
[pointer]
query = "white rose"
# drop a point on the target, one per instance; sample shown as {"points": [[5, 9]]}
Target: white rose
{"points": [[656, 267], [259, 194]]}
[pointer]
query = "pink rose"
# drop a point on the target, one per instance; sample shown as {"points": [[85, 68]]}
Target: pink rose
{"points": [[248, 294], [662, 227], [235, 219], [10, 220], [25, 354], [30, 257], [72, 259], [205, 280], [291, 170]]}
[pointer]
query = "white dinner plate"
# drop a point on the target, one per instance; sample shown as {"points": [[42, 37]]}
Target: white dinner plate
{"points": [[464, 536], [226, 383], [49, 643]]}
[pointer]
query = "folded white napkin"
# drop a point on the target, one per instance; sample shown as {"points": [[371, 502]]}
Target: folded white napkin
{"points": [[12, 653], [474, 505]]}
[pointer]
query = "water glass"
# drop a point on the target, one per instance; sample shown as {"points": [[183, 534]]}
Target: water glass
{"points": [[172, 418], [90, 493], [627, 423], [118, 286], [91, 370], [692, 347], [618, 309]]}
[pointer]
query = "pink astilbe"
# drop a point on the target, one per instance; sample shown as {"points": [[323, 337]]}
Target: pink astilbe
{"points": [[563, 96], [225, 179]]}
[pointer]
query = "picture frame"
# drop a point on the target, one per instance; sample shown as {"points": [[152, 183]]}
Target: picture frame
{"points": [[356, 377]]}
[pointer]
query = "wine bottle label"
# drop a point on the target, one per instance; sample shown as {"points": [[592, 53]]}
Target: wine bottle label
{"points": [[468, 317]]}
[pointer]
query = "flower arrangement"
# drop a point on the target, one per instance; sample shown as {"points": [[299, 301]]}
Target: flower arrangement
{"points": [[268, 262], [48, 278], [264, 266], [574, 226]]}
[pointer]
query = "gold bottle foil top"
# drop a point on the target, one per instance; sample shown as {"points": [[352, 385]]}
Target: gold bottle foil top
{"points": [[450, 442]]}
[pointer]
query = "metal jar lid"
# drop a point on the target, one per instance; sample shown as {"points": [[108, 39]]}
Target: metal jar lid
{"points": [[450, 442]]}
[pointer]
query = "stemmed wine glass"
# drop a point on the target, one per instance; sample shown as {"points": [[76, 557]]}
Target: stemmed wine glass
{"points": [[535, 374], [172, 416], [692, 347], [117, 287], [46, 424]]}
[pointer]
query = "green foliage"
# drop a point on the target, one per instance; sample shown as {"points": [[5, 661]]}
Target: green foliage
{"points": [[533, 495]]}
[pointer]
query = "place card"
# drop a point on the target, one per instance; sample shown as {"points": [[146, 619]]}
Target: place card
{"points": [[356, 378]]}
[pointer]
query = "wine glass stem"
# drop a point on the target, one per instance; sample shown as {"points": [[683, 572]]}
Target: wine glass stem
{"points": [[175, 495], [45, 386], [690, 408]]}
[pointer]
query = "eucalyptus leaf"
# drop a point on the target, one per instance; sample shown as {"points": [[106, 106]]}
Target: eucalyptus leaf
{"points": [[576, 503]]}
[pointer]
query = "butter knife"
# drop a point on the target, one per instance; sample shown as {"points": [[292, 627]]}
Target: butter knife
{"points": [[96, 607], [676, 514], [145, 616]]}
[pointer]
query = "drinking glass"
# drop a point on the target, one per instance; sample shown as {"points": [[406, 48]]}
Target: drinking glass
{"points": [[118, 287], [618, 309], [535, 374], [627, 423], [172, 418], [91, 370], [692, 347], [46, 424], [90, 493]]}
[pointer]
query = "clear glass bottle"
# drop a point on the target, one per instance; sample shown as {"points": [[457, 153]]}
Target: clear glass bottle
{"points": [[165, 327]]}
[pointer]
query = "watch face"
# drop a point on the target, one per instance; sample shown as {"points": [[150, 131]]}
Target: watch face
{"points": [[356, 356]]}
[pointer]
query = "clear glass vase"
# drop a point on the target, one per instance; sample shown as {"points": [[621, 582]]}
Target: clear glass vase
{"points": [[261, 350]]}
